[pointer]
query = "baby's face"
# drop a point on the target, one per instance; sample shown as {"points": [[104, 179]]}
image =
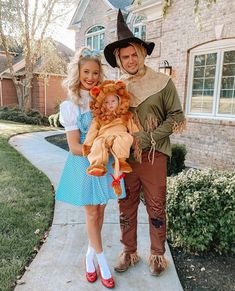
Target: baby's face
{"points": [[111, 102]]}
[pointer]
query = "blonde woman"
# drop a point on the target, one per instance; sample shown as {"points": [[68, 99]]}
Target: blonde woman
{"points": [[76, 187]]}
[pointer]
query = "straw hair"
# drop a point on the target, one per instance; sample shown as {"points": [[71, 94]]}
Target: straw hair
{"points": [[141, 53], [72, 81], [125, 36]]}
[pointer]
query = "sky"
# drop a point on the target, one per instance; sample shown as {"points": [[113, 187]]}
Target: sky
{"points": [[59, 32], [65, 35]]}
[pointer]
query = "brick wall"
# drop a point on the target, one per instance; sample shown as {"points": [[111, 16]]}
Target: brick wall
{"points": [[180, 34], [94, 15], [44, 98], [209, 142], [48, 94], [97, 14], [9, 97]]}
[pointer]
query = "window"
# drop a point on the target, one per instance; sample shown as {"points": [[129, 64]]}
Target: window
{"points": [[211, 88], [95, 38], [227, 88], [139, 28]]}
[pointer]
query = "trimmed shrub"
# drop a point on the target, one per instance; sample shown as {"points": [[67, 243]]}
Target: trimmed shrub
{"points": [[28, 117], [201, 210], [175, 164]]}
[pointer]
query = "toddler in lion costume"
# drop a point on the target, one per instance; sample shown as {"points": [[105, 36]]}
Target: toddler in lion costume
{"points": [[110, 131]]}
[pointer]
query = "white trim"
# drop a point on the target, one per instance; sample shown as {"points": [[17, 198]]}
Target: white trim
{"points": [[218, 47], [93, 34], [151, 9], [16, 67], [218, 74], [140, 26], [217, 44], [109, 4], [78, 14]]}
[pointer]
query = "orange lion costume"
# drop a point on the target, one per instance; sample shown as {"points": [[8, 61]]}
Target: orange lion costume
{"points": [[110, 132]]}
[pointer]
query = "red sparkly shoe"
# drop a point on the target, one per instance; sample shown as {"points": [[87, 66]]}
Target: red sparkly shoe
{"points": [[108, 283], [90, 276]]}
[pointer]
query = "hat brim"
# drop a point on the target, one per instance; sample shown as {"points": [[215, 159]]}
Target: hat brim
{"points": [[110, 48]]}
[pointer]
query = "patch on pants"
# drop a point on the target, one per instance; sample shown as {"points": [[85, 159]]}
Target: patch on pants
{"points": [[124, 221], [157, 222]]}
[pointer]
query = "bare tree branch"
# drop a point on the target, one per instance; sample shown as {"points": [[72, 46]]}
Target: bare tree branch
{"points": [[34, 19], [29, 28]]}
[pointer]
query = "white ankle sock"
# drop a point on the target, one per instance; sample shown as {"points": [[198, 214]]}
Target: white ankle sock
{"points": [[90, 267], [104, 268]]}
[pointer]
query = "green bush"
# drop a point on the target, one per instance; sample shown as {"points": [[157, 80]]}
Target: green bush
{"points": [[201, 210], [28, 117], [175, 164]]}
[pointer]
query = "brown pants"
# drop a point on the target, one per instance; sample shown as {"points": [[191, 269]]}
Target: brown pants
{"points": [[152, 180]]}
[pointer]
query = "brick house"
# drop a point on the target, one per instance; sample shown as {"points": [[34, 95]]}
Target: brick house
{"points": [[47, 90], [202, 62]]}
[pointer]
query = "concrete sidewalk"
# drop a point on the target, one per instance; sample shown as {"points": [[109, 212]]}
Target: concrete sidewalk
{"points": [[59, 265]]}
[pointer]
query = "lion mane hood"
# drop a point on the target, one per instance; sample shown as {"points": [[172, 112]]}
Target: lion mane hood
{"points": [[99, 93]]}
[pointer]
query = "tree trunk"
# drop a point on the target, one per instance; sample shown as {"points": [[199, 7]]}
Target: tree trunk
{"points": [[28, 102], [19, 93]]}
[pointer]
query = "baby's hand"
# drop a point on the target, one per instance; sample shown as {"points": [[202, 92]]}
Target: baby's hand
{"points": [[86, 150]]}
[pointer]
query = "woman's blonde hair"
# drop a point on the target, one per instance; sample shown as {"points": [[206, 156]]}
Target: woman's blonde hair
{"points": [[72, 81]]}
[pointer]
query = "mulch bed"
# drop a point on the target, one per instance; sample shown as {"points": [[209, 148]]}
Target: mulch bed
{"points": [[209, 271]]}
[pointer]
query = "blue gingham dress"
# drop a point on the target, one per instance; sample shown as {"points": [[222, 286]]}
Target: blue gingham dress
{"points": [[76, 186]]}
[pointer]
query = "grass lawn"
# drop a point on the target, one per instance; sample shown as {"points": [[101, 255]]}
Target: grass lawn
{"points": [[26, 206]]}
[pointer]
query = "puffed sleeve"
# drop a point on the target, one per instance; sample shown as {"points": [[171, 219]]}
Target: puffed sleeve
{"points": [[69, 115]]}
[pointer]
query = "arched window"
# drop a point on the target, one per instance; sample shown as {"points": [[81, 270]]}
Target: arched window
{"points": [[95, 37], [211, 87], [139, 27]]}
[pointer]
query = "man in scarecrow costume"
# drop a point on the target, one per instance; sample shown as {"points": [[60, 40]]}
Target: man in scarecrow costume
{"points": [[110, 131], [158, 113]]}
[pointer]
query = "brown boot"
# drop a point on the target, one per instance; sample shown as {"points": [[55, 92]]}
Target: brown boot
{"points": [[157, 264], [126, 260]]}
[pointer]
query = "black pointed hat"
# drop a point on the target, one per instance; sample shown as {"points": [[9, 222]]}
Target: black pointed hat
{"points": [[125, 36]]}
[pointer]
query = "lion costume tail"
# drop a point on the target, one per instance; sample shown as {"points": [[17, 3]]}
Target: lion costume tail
{"points": [[116, 178]]}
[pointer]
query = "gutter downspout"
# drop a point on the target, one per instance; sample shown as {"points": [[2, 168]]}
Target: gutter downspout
{"points": [[45, 96]]}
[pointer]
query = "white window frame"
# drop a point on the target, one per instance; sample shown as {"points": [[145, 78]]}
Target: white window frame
{"points": [[93, 34], [219, 47], [139, 25]]}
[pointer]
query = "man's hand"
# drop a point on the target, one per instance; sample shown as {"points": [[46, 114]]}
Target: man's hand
{"points": [[143, 139]]}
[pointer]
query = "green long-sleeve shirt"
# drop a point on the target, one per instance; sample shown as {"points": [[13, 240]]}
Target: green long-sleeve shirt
{"points": [[159, 115]]}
